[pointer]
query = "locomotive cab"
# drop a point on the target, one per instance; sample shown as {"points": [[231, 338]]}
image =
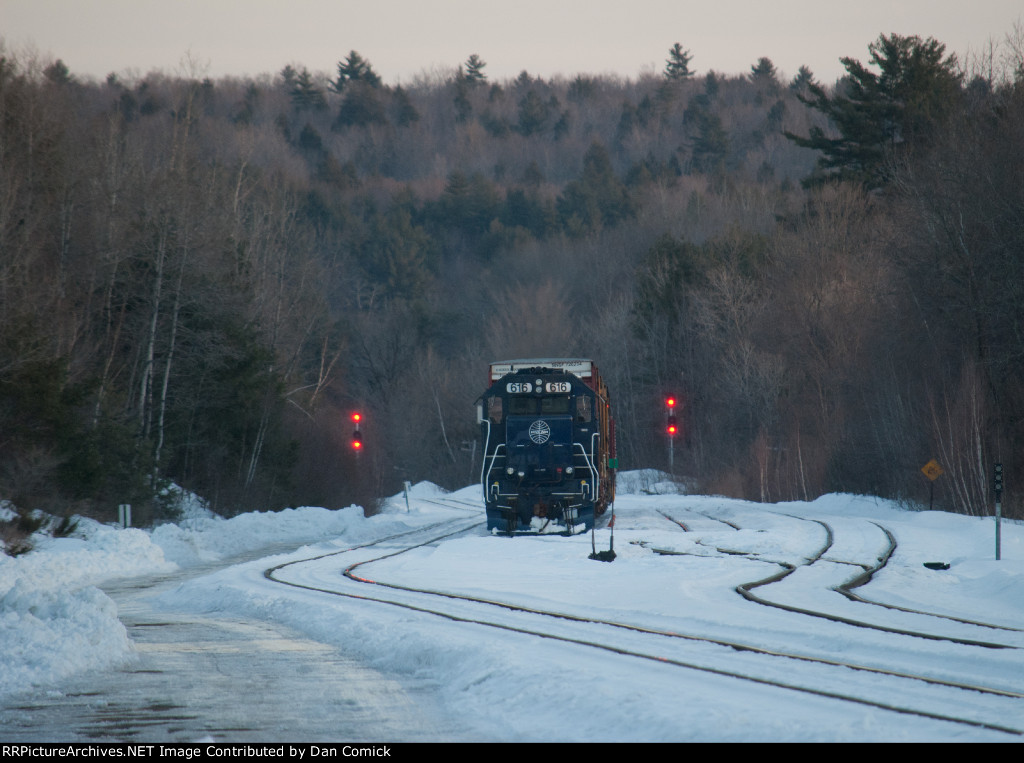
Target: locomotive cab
{"points": [[546, 446]]}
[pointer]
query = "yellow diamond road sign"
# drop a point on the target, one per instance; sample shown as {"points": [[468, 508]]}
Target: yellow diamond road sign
{"points": [[932, 470]]}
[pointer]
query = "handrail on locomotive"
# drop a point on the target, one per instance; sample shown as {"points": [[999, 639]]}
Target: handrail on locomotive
{"points": [[548, 445]]}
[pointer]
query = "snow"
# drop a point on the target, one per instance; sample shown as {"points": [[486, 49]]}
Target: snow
{"points": [[56, 622]]}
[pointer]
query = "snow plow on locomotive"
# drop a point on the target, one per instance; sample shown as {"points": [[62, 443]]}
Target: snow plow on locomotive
{"points": [[548, 446]]}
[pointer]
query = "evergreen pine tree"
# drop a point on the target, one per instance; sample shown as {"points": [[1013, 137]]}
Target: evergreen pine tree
{"points": [[597, 199], [362, 106], [533, 113], [677, 67], [402, 109], [763, 70], [711, 145], [305, 94], [355, 68], [877, 114], [58, 73], [475, 70], [288, 76], [802, 81]]}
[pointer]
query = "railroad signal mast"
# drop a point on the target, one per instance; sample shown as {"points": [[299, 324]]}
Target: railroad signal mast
{"points": [[357, 435], [671, 427]]}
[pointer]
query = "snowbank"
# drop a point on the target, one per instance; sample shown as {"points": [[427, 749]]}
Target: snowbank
{"points": [[55, 621]]}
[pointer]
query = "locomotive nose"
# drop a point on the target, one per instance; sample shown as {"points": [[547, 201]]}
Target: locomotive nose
{"points": [[540, 448]]}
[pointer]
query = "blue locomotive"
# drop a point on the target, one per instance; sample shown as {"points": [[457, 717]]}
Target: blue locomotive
{"points": [[548, 446]]}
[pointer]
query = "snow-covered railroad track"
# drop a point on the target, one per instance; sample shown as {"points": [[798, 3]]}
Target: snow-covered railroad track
{"points": [[828, 568], [715, 656], [704, 516]]}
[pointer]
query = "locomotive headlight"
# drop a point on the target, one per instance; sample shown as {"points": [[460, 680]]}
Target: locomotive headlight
{"points": [[522, 474], [510, 471], [568, 470]]}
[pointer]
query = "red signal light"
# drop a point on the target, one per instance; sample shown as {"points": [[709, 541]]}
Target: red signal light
{"points": [[357, 436], [671, 402], [672, 427]]}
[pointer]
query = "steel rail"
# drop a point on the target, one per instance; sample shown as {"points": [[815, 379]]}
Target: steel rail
{"points": [[745, 590], [270, 574]]}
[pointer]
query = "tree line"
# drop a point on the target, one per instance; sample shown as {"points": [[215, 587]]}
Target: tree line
{"points": [[201, 279]]}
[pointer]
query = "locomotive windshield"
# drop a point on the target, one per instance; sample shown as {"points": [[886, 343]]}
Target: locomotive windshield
{"points": [[532, 406]]}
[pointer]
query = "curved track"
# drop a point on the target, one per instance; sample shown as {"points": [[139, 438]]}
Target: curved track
{"points": [[636, 640], [844, 588]]}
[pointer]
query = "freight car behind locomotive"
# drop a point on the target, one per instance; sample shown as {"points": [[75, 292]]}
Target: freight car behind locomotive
{"points": [[548, 445]]}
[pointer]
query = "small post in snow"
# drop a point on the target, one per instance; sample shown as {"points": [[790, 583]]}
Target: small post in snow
{"points": [[124, 514], [997, 488], [407, 486]]}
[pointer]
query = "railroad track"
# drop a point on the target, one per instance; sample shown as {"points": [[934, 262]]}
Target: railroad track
{"points": [[346, 573], [846, 588]]}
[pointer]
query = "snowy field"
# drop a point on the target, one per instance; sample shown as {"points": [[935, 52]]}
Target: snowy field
{"points": [[56, 622]]}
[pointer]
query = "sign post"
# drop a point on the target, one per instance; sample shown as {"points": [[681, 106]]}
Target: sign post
{"points": [[932, 471]]}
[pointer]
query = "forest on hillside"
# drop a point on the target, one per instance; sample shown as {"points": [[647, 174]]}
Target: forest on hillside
{"points": [[201, 280]]}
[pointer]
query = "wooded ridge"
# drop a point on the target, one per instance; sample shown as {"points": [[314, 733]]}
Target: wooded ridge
{"points": [[200, 280]]}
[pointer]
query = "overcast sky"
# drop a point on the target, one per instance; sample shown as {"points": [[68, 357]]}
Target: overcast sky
{"points": [[406, 38]]}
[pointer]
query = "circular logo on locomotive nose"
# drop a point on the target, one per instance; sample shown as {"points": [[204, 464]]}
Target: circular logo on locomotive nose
{"points": [[540, 432]]}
